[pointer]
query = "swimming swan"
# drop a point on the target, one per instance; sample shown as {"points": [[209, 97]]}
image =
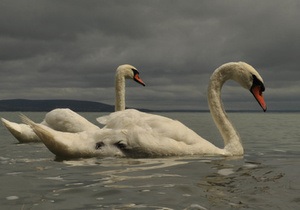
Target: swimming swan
{"points": [[131, 133], [69, 121]]}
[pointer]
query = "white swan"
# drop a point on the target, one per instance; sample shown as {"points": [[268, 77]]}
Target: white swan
{"points": [[136, 134], [69, 121]]}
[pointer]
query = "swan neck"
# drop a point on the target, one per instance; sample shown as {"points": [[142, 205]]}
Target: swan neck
{"points": [[232, 143], [119, 91]]}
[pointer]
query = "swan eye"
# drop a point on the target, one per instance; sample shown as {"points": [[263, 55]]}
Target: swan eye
{"points": [[135, 71], [257, 82]]}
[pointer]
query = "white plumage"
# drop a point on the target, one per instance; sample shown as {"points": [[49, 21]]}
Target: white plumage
{"points": [[132, 133]]}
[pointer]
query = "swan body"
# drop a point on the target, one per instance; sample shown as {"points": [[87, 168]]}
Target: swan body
{"points": [[149, 135], [69, 121], [146, 135]]}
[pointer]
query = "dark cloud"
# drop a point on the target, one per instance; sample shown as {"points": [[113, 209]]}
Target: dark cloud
{"points": [[70, 49]]}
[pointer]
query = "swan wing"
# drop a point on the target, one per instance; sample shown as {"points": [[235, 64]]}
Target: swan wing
{"points": [[67, 120], [132, 119]]}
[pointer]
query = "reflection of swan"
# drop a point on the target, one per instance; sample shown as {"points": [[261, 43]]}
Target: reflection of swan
{"points": [[68, 121], [137, 134]]}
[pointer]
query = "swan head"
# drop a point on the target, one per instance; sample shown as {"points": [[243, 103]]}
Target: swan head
{"points": [[130, 72], [250, 79]]}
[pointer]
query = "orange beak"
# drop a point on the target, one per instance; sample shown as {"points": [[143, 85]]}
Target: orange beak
{"points": [[257, 93], [138, 79]]}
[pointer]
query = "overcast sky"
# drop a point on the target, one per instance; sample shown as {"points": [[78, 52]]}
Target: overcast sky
{"points": [[70, 50]]}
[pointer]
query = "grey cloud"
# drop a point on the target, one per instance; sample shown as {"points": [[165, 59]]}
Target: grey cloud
{"points": [[75, 46]]}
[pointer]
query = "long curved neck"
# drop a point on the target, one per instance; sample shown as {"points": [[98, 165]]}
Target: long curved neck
{"points": [[119, 91], [230, 135]]}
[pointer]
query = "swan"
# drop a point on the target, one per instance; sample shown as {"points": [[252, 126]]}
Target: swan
{"points": [[131, 133], [69, 121]]}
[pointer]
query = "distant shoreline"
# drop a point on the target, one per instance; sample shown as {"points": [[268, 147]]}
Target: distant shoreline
{"points": [[25, 105]]}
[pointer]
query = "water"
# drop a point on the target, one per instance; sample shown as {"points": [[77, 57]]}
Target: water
{"points": [[267, 177]]}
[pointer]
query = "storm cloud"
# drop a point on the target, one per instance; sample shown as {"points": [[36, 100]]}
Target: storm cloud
{"points": [[70, 50]]}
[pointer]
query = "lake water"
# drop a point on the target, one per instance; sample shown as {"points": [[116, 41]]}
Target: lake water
{"points": [[267, 177]]}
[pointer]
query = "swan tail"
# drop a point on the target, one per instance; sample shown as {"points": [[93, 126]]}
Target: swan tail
{"points": [[44, 134], [26, 120], [38, 129], [12, 127], [64, 145], [22, 132]]}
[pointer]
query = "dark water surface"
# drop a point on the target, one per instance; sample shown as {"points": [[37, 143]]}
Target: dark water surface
{"points": [[267, 177]]}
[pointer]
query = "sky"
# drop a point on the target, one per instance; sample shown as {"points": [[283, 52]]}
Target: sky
{"points": [[70, 50]]}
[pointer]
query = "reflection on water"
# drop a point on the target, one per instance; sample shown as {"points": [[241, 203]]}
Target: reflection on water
{"points": [[171, 183], [237, 185], [266, 178]]}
